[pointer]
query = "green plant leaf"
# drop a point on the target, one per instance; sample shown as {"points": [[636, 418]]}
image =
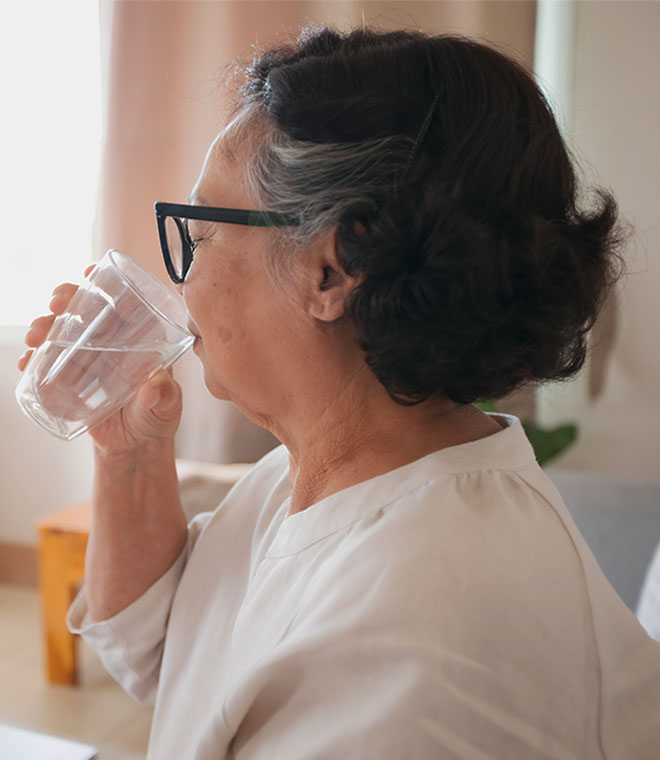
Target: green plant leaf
{"points": [[548, 444], [486, 406]]}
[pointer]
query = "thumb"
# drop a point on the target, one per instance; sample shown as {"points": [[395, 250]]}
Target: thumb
{"points": [[159, 400], [159, 393]]}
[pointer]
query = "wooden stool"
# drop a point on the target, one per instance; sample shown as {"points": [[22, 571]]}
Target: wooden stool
{"points": [[62, 543]]}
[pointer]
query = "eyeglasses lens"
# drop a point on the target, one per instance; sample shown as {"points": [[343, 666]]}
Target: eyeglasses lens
{"points": [[174, 230]]}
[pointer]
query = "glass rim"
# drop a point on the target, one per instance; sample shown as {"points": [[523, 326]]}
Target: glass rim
{"points": [[116, 257]]}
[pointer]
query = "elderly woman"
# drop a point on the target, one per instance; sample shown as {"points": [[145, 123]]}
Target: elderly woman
{"points": [[386, 231]]}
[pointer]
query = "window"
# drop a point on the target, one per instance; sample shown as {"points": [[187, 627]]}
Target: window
{"points": [[50, 85], [554, 58]]}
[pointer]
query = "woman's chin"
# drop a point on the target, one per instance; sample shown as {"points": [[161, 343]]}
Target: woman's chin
{"points": [[216, 389]]}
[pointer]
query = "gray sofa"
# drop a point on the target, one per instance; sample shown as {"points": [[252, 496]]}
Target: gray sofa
{"points": [[619, 517]]}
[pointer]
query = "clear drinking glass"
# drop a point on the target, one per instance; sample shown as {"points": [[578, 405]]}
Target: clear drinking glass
{"points": [[120, 327]]}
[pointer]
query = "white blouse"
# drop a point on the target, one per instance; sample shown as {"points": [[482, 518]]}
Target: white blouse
{"points": [[446, 609]]}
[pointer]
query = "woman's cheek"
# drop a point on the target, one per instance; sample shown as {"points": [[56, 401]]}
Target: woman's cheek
{"points": [[223, 333]]}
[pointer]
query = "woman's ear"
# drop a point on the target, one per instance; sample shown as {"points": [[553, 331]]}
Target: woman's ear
{"points": [[328, 283]]}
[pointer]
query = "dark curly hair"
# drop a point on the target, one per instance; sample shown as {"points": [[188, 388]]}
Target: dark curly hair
{"points": [[480, 272]]}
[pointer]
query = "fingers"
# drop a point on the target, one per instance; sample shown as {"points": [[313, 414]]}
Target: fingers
{"points": [[61, 296], [22, 362], [38, 330], [40, 326]]}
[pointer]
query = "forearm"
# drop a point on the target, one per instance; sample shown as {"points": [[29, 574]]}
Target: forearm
{"points": [[138, 526]]}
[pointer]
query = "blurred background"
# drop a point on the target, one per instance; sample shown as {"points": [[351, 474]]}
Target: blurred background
{"points": [[110, 106]]}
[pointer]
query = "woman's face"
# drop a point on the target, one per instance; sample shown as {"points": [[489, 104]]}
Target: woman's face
{"points": [[247, 325]]}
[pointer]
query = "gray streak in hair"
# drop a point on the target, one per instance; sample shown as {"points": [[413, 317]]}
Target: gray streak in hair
{"points": [[319, 183]]}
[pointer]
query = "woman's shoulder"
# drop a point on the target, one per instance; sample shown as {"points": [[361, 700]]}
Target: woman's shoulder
{"points": [[466, 558], [495, 522]]}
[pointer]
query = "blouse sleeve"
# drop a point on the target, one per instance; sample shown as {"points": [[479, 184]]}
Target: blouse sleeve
{"points": [[379, 697], [349, 700], [387, 700], [130, 643]]}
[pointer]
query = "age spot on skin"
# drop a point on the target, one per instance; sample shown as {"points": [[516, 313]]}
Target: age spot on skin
{"points": [[224, 334], [242, 268]]}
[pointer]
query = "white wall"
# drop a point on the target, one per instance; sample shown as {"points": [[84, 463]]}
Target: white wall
{"points": [[38, 473], [614, 128]]}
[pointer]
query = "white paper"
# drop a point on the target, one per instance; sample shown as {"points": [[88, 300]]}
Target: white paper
{"points": [[19, 744]]}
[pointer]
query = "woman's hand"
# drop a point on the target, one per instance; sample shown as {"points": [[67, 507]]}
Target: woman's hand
{"points": [[153, 415], [40, 326], [139, 528]]}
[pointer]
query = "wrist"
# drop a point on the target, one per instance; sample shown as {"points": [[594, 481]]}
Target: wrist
{"points": [[140, 484], [140, 456]]}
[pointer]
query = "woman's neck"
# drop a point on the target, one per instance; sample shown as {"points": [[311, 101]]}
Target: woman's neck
{"points": [[364, 433]]}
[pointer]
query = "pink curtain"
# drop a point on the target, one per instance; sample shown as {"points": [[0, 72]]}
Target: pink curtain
{"points": [[166, 90]]}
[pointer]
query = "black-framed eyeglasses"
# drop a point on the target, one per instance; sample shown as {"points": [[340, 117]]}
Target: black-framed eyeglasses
{"points": [[176, 243]]}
